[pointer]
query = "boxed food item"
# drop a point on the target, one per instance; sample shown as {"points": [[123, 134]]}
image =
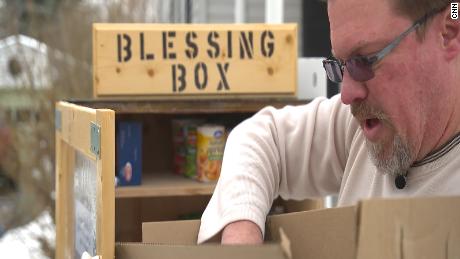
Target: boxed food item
{"points": [[379, 228], [128, 153]]}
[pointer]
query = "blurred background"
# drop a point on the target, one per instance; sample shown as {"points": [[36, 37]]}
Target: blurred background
{"points": [[45, 56]]}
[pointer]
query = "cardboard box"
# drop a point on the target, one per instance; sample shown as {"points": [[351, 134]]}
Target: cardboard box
{"points": [[409, 228], [177, 239], [386, 228], [144, 251]]}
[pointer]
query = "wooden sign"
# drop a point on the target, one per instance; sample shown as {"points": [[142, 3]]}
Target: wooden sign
{"points": [[195, 59]]}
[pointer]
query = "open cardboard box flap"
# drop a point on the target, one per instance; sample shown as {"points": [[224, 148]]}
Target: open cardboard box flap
{"points": [[177, 239], [183, 232], [409, 228], [306, 228], [181, 237], [149, 251], [326, 233], [378, 228]]}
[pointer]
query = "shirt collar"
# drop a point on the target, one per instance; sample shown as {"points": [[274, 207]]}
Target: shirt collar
{"points": [[444, 149]]}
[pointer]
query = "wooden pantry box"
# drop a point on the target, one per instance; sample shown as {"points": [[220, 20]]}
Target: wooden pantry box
{"points": [[91, 213]]}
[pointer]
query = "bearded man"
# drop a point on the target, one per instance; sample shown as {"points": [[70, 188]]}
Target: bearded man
{"points": [[392, 132]]}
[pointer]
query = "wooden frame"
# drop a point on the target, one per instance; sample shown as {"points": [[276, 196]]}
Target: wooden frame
{"points": [[73, 134]]}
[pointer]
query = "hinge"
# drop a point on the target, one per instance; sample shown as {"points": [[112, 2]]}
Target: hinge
{"points": [[57, 120], [96, 139]]}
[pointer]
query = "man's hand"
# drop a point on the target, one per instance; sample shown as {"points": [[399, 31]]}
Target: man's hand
{"points": [[242, 232]]}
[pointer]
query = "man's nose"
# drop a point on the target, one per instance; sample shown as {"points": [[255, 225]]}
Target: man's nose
{"points": [[352, 91]]}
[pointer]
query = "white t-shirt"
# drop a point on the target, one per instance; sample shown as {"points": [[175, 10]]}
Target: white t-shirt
{"points": [[310, 151]]}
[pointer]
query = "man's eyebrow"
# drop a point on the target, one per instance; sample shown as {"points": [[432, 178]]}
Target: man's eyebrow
{"points": [[354, 50], [363, 45]]}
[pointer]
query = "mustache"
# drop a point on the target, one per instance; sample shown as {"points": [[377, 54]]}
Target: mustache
{"points": [[362, 111]]}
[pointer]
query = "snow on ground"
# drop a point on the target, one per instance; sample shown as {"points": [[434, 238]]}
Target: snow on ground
{"points": [[22, 242]]}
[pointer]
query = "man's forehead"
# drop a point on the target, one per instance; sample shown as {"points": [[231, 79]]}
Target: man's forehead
{"points": [[356, 23]]}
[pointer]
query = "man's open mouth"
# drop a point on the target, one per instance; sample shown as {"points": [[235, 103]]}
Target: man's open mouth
{"points": [[372, 128], [371, 123]]}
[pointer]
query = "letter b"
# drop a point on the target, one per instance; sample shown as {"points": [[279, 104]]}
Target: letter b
{"points": [[126, 47]]}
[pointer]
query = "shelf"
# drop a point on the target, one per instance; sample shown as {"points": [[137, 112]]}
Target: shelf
{"points": [[165, 184], [189, 106]]}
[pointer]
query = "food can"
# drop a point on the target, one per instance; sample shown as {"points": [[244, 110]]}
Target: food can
{"points": [[210, 150], [184, 146]]}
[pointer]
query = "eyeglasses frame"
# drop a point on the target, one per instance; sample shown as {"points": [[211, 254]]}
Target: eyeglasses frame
{"points": [[374, 58]]}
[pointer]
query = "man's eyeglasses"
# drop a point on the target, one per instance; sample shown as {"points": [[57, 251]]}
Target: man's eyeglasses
{"points": [[360, 68]]}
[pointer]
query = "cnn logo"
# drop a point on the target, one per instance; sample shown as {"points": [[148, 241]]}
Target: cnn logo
{"points": [[454, 11]]}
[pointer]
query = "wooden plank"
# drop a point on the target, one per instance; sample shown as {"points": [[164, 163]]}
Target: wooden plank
{"points": [[95, 59], [65, 158], [105, 232], [190, 106], [75, 136], [194, 60], [75, 126], [165, 184], [60, 234]]}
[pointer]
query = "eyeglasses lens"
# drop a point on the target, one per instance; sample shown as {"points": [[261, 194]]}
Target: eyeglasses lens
{"points": [[360, 69], [333, 71]]}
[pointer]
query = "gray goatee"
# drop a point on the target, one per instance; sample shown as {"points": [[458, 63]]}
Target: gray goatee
{"points": [[393, 158]]}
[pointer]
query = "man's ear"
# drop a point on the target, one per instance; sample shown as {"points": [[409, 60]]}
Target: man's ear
{"points": [[450, 32]]}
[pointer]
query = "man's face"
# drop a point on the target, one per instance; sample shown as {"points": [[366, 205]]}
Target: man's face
{"points": [[398, 107]]}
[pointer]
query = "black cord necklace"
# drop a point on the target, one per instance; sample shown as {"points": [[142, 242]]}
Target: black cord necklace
{"points": [[401, 178]]}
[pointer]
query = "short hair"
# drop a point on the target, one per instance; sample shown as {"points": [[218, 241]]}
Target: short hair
{"points": [[416, 9]]}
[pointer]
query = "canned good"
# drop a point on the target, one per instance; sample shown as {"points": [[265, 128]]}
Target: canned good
{"points": [[190, 151], [210, 150], [184, 146]]}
